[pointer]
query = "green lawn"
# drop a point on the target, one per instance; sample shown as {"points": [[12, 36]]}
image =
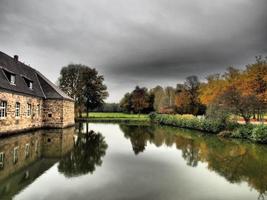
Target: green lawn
{"points": [[116, 117]]}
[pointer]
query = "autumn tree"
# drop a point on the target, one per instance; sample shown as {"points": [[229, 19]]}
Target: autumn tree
{"points": [[138, 101], [187, 97], [242, 105]]}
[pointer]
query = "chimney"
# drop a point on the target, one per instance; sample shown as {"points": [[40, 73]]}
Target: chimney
{"points": [[16, 57]]}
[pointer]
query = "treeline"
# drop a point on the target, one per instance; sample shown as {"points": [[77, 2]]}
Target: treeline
{"points": [[236, 92], [108, 107]]}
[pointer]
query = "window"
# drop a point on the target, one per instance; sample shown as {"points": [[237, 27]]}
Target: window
{"points": [[50, 115], [3, 106], [29, 83], [15, 154], [38, 110], [29, 109], [11, 77], [2, 157], [27, 150], [17, 111]]}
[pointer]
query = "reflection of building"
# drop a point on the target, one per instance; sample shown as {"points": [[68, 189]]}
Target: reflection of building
{"points": [[24, 157], [29, 100]]}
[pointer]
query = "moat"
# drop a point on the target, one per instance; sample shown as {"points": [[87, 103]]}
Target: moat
{"points": [[130, 161]]}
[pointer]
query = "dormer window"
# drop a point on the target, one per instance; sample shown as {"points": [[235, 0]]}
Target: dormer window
{"points": [[29, 83], [11, 77]]}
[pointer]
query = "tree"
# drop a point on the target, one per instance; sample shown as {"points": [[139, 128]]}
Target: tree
{"points": [[95, 91], [84, 85], [187, 97], [158, 93], [239, 104], [138, 101]]}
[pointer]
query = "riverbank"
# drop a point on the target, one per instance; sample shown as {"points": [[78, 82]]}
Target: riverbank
{"points": [[255, 133], [114, 117]]}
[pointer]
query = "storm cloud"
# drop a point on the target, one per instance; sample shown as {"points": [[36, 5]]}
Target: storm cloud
{"points": [[144, 42]]}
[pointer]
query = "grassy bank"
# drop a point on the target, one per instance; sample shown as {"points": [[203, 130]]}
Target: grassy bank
{"points": [[115, 117], [255, 133]]}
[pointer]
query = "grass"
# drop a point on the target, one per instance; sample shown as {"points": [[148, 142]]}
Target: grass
{"points": [[99, 116]]}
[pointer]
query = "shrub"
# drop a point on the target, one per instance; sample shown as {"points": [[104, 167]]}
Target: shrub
{"points": [[243, 131], [188, 122], [152, 116], [259, 134]]}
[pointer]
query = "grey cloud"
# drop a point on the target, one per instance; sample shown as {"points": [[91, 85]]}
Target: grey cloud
{"points": [[133, 42]]}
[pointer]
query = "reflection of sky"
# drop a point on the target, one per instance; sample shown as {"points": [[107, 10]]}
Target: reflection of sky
{"points": [[157, 173]]}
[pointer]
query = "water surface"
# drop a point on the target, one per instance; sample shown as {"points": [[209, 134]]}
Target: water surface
{"points": [[123, 161]]}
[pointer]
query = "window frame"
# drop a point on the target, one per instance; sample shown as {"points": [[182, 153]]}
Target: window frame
{"points": [[17, 109], [3, 109], [29, 109]]}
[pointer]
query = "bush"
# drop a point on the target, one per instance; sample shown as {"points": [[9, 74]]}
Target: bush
{"points": [[243, 131], [187, 122], [152, 116], [259, 134], [218, 113]]}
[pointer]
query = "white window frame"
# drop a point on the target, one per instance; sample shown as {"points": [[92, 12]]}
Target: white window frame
{"points": [[29, 109], [3, 109], [17, 109], [2, 159], [15, 154]]}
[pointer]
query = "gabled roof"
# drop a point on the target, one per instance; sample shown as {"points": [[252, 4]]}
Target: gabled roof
{"points": [[42, 87]]}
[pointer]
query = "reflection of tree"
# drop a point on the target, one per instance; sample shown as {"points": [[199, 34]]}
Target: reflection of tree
{"points": [[138, 135], [235, 161], [85, 156]]}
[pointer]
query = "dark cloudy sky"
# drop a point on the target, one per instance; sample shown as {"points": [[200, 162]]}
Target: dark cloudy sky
{"points": [[144, 42]]}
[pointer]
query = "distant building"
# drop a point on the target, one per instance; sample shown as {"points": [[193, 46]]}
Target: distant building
{"points": [[28, 100]]}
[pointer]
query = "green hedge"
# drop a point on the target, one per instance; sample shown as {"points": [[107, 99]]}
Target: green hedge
{"points": [[201, 124], [255, 133]]}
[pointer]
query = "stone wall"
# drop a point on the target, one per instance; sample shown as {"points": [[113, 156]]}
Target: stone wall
{"points": [[13, 123], [52, 113], [58, 113], [68, 113]]}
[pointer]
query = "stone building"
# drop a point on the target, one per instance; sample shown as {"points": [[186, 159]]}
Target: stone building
{"points": [[28, 100]]}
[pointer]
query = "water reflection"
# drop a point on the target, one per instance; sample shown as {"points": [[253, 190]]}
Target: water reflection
{"points": [[152, 157], [88, 151], [234, 160], [26, 156]]}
